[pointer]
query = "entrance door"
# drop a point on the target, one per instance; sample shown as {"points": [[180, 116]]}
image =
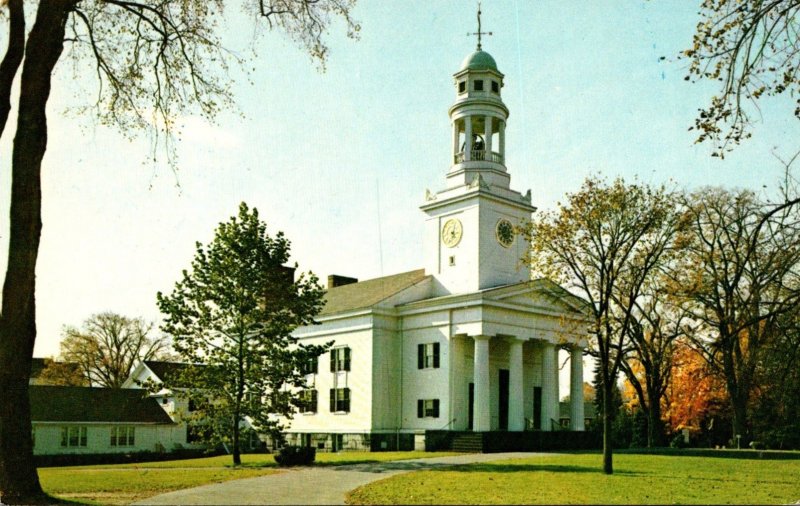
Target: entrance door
{"points": [[537, 408], [471, 405], [503, 397]]}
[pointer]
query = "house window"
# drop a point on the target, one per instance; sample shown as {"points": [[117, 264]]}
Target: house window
{"points": [[428, 408], [462, 86], [340, 359], [495, 87], [123, 436], [73, 436], [308, 401], [428, 356], [310, 366], [478, 85], [340, 400]]}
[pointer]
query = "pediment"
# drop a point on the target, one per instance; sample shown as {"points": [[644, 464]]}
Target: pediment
{"points": [[540, 294]]}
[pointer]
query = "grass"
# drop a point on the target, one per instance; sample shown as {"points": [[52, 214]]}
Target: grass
{"points": [[126, 483], [577, 479]]}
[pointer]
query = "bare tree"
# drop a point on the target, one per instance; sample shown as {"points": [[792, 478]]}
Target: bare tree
{"points": [[741, 281], [656, 325], [752, 48], [109, 345], [152, 60], [604, 244]]}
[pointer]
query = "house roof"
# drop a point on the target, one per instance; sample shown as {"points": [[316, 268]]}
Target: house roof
{"points": [[85, 404], [167, 371], [369, 292]]}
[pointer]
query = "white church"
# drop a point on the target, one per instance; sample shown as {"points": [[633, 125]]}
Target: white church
{"points": [[470, 342]]}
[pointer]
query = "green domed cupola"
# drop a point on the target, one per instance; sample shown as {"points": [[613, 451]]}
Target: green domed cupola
{"points": [[479, 60]]}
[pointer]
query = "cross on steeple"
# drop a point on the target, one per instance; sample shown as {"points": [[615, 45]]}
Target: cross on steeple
{"points": [[479, 32]]}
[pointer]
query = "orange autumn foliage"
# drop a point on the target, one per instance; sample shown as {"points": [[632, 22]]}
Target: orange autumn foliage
{"points": [[694, 394]]}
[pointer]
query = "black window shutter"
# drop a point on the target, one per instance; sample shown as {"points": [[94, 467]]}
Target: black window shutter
{"points": [[313, 401], [316, 365], [347, 359], [347, 400], [333, 360], [420, 407], [420, 356], [436, 408], [436, 355], [333, 400]]}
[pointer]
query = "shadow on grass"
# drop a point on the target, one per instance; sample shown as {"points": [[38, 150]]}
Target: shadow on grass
{"points": [[714, 453], [382, 467]]}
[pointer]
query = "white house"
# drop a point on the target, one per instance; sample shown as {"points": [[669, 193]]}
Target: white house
{"points": [[467, 343], [84, 420]]}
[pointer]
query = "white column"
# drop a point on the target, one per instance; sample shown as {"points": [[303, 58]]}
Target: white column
{"points": [[576, 389], [455, 139], [501, 134], [516, 400], [487, 136], [549, 392], [467, 138], [480, 411]]}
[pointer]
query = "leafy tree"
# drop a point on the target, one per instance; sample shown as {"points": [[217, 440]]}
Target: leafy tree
{"points": [[152, 60], [751, 47], [604, 244], [741, 282], [234, 313], [62, 373], [109, 345]]}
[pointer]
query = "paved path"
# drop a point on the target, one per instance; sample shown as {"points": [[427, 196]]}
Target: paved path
{"points": [[314, 485]]}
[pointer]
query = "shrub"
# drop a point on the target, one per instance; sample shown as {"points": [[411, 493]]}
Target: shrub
{"points": [[296, 456], [678, 441]]}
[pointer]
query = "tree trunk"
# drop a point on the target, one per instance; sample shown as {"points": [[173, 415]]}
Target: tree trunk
{"points": [[237, 457], [654, 433], [12, 59], [608, 466], [19, 482]]}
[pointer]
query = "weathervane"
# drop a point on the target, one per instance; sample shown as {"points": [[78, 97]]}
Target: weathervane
{"points": [[479, 32]]}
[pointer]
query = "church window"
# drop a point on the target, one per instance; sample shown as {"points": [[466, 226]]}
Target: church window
{"points": [[495, 87], [308, 401], [428, 408], [340, 400], [478, 85], [310, 366], [340, 359], [462, 86], [428, 356], [452, 260]]}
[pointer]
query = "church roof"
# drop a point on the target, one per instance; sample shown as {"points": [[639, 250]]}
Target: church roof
{"points": [[479, 60], [369, 292]]}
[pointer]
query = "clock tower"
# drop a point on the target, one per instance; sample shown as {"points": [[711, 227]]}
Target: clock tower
{"points": [[470, 240]]}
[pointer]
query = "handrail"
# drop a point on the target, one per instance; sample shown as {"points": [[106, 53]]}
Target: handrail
{"points": [[479, 155]]}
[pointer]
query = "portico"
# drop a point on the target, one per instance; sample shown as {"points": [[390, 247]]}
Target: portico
{"points": [[531, 359]]}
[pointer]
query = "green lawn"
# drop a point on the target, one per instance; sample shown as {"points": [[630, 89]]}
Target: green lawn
{"points": [[577, 479], [126, 483]]}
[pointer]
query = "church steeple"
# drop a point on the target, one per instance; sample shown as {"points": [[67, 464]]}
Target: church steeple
{"points": [[471, 243], [478, 118]]}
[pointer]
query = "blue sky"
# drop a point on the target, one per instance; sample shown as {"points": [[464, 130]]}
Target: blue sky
{"points": [[340, 160]]}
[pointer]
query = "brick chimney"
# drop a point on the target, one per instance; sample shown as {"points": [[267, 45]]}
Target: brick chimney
{"points": [[335, 280]]}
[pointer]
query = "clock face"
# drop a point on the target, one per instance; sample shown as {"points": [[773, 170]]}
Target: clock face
{"points": [[505, 233], [451, 232]]}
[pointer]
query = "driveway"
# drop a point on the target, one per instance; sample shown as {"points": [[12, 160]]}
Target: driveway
{"points": [[314, 485]]}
